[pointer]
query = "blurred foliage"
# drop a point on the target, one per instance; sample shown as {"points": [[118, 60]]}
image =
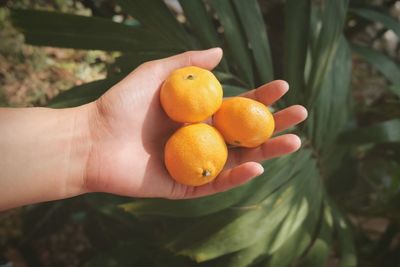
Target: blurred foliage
{"points": [[334, 202], [33, 75]]}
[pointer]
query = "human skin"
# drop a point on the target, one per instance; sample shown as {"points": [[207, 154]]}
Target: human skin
{"points": [[115, 144]]}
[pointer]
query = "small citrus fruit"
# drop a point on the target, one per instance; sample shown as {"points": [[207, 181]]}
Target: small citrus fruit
{"points": [[195, 154], [191, 94], [244, 122]]}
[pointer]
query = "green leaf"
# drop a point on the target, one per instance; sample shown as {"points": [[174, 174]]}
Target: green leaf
{"points": [[225, 78], [72, 31], [330, 112], [263, 218], [235, 41], [347, 250], [297, 26], [231, 90], [395, 89], [333, 19], [185, 208], [211, 204], [383, 63], [82, 94], [388, 131], [128, 62], [318, 253], [295, 245], [241, 232], [156, 16], [254, 27], [276, 174], [277, 238], [201, 22], [373, 15], [291, 249]]}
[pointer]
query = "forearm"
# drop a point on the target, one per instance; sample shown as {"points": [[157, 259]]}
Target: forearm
{"points": [[43, 154]]}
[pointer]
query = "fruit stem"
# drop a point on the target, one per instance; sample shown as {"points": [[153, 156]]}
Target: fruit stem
{"points": [[190, 77], [206, 173]]}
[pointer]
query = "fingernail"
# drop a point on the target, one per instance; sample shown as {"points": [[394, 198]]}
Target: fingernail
{"points": [[215, 49], [260, 169], [286, 86]]}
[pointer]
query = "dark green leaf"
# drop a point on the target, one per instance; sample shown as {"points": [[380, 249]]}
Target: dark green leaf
{"points": [[82, 94], [227, 78], [201, 22], [128, 62], [254, 27], [383, 63], [185, 208], [347, 250], [329, 114], [370, 14], [297, 25], [333, 19], [395, 89], [156, 16], [388, 131], [235, 40], [231, 90], [72, 31], [212, 204]]}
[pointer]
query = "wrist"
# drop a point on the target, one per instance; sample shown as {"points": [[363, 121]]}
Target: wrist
{"points": [[79, 148], [44, 154]]}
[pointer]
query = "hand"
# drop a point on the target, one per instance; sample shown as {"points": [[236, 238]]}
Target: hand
{"points": [[129, 130]]}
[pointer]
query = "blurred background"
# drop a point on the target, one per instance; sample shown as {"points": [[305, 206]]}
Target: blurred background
{"points": [[364, 182]]}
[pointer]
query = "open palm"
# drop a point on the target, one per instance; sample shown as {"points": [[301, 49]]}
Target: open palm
{"points": [[129, 130]]}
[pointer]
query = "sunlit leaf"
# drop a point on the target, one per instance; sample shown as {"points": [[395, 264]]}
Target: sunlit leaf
{"points": [[267, 217], [317, 255]]}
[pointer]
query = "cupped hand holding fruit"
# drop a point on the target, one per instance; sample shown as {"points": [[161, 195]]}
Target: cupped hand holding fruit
{"points": [[130, 130]]}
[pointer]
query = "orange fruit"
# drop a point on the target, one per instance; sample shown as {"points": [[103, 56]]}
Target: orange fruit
{"points": [[191, 94], [244, 122], [195, 154]]}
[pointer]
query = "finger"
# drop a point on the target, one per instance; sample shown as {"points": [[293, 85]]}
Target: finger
{"points": [[268, 93], [227, 179], [275, 147], [289, 117], [207, 59]]}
